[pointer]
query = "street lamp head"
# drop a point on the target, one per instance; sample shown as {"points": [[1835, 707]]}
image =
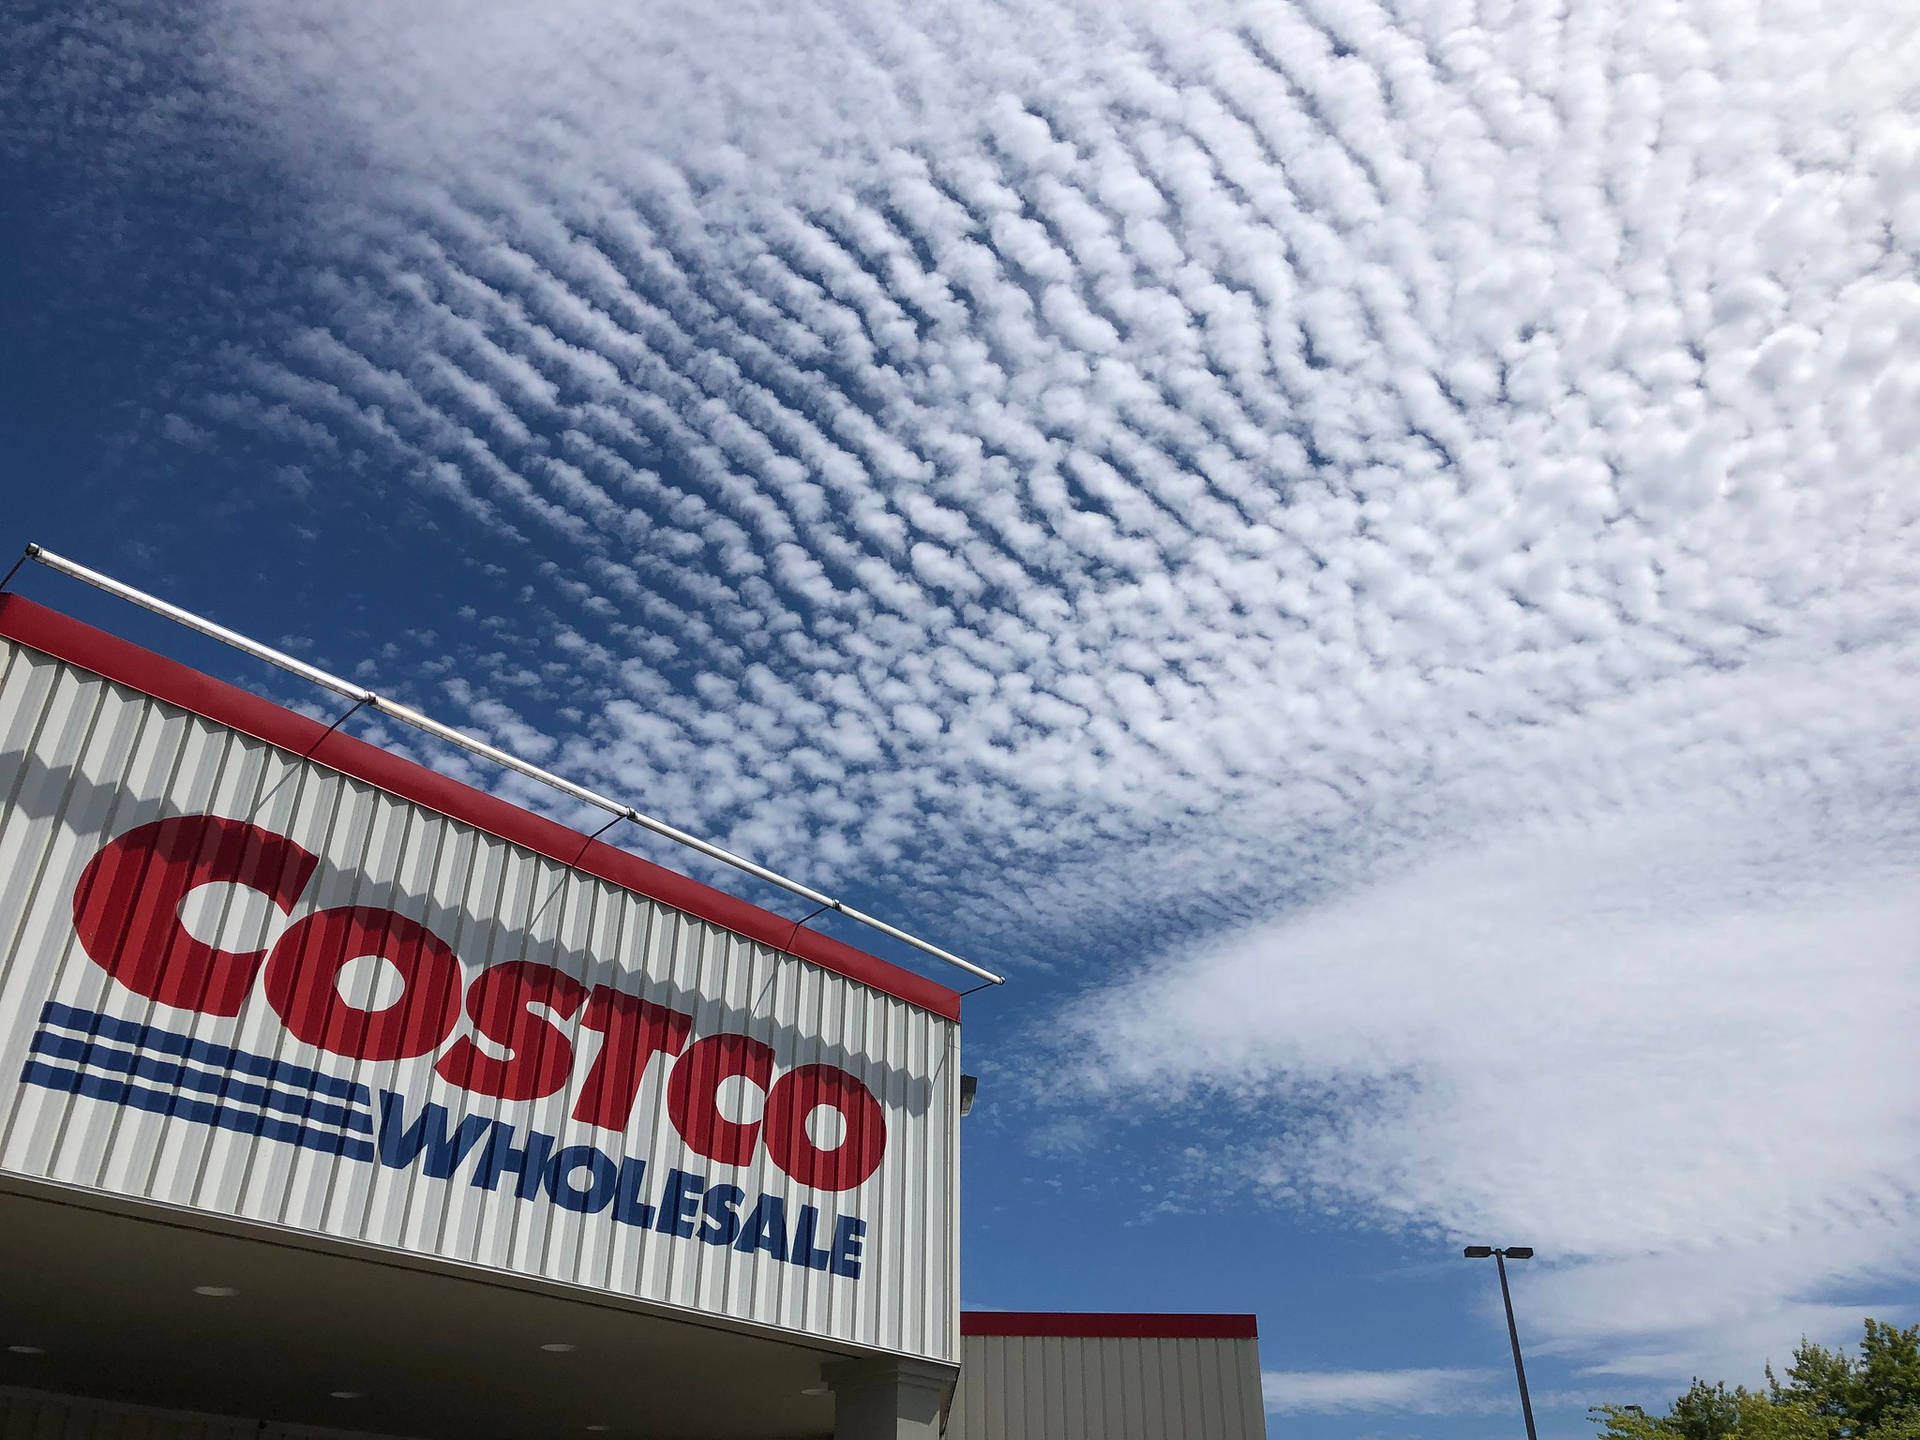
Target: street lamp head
{"points": [[1518, 1252], [1479, 1252]]}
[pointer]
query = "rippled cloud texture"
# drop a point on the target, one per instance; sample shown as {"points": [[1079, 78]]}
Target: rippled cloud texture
{"points": [[1394, 523]]}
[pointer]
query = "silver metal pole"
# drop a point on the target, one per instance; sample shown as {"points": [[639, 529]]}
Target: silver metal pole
{"points": [[407, 715], [1513, 1334]]}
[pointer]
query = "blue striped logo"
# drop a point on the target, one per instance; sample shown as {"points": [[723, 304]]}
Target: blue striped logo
{"points": [[121, 1062], [81, 1052]]}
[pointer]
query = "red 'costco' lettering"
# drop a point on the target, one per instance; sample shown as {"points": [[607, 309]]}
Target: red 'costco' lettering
{"points": [[126, 908], [539, 1056], [303, 972], [126, 914]]}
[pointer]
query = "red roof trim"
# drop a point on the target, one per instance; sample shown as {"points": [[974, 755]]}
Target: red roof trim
{"points": [[1109, 1326], [125, 663]]}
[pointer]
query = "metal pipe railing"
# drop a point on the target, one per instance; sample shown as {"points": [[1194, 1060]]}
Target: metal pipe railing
{"points": [[407, 715]]}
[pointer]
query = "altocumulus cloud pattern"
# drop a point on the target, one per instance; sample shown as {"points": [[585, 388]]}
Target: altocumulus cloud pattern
{"points": [[1348, 510]]}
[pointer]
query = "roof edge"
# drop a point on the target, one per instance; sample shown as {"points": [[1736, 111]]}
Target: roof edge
{"points": [[125, 663], [1103, 1325]]}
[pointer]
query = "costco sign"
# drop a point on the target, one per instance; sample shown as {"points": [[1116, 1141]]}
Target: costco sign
{"points": [[288, 978], [126, 914]]}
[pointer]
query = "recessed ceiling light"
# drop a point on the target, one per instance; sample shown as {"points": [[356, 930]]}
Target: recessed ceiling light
{"points": [[557, 1347], [346, 1394], [217, 1292], [25, 1350], [597, 1428]]}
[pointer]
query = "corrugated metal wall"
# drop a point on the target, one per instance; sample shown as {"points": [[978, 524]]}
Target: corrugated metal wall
{"points": [[36, 1415], [1048, 1387], [83, 761]]}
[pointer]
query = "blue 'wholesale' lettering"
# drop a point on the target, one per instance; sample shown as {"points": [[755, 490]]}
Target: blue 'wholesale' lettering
{"points": [[765, 1229], [500, 1158], [400, 1144], [680, 1203], [803, 1252], [722, 1211], [587, 1180], [628, 1207], [599, 1192], [849, 1236]]}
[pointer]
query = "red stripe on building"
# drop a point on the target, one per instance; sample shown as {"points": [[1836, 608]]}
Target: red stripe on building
{"points": [[1101, 1326]]}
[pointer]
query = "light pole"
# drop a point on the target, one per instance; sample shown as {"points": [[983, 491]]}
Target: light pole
{"points": [[1500, 1258]]}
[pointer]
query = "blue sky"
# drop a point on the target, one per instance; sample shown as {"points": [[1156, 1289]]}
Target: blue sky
{"points": [[1364, 553]]}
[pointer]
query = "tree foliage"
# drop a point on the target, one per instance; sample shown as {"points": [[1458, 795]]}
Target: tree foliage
{"points": [[1827, 1395]]}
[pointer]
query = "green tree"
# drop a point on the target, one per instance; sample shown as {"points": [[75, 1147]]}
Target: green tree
{"points": [[1827, 1395], [1763, 1418], [1629, 1422], [1887, 1379]]}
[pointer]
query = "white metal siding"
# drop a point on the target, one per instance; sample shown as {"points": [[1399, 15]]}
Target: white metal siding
{"points": [[1022, 1387], [83, 760]]}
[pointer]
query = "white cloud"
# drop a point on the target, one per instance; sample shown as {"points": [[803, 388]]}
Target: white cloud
{"points": [[1671, 1050], [1333, 1392]]}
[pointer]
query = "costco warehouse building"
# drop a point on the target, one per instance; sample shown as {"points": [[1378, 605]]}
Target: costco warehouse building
{"points": [[338, 1098]]}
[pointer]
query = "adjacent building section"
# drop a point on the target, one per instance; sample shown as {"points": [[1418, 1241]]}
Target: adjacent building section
{"points": [[1107, 1377]]}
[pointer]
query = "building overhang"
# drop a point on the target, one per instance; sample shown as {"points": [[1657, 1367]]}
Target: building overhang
{"points": [[340, 1336]]}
